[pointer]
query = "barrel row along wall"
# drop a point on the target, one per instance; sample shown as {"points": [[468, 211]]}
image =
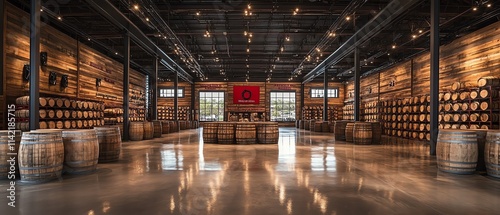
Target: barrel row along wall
{"points": [[464, 60], [66, 56]]}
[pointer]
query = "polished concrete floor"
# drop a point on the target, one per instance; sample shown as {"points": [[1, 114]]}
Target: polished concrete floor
{"points": [[306, 173]]}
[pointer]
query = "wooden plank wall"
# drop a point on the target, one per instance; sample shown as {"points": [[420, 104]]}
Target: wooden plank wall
{"points": [[308, 101], [464, 60], [66, 56], [369, 88], [181, 102]]}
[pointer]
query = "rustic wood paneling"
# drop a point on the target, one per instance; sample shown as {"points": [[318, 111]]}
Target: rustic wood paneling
{"points": [[61, 51], [308, 101], [181, 102], [400, 77], [369, 86]]}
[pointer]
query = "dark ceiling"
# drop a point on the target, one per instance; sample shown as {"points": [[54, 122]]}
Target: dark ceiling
{"points": [[284, 40]]}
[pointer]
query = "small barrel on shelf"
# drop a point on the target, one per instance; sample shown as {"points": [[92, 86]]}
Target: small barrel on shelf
{"points": [[485, 93], [457, 151], [488, 81], [457, 85]]}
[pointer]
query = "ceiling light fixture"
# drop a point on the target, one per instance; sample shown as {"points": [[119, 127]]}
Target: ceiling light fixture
{"points": [[198, 13], [136, 6]]}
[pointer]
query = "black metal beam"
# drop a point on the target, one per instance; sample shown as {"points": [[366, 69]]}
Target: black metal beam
{"points": [[193, 100], [35, 22], [357, 78], [126, 82], [302, 101], [434, 64], [113, 15], [383, 19], [154, 90], [325, 96], [176, 97]]}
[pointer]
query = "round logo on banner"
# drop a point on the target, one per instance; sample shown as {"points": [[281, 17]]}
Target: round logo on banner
{"points": [[246, 94]]}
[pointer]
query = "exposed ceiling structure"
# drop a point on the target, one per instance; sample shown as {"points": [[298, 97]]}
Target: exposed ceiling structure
{"points": [[263, 40]]}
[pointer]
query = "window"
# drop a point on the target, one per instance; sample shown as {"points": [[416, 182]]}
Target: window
{"points": [[282, 106], [211, 106], [318, 92], [169, 92]]}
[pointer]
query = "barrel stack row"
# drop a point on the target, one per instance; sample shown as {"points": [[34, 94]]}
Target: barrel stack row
{"points": [[467, 151], [314, 125], [360, 133], [154, 129], [241, 132], [45, 154]]}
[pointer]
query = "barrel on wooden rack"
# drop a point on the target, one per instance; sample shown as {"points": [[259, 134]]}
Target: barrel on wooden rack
{"points": [[157, 128], [339, 131], [110, 142], [362, 133], [488, 81], [457, 151], [165, 127], [210, 132], [267, 132], [5, 149], [41, 156], [246, 133], [148, 130], [81, 151], [349, 129], [225, 132], [136, 131]]}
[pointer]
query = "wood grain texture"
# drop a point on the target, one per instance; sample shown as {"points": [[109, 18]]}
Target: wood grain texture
{"points": [[308, 101], [181, 102]]}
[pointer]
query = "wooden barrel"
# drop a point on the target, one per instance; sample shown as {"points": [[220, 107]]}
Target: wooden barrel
{"points": [[174, 126], [41, 156], [136, 131], [457, 151], [376, 132], [455, 96], [485, 117], [157, 128], [456, 106], [349, 129], [246, 133], [473, 94], [492, 153], [210, 132], [267, 132], [465, 106], [182, 125], [24, 113], [5, 139], [165, 127], [312, 124], [447, 96], [474, 105], [110, 142], [339, 130], [325, 127], [81, 151], [318, 126], [362, 133], [485, 93], [488, 81], [148, 131], [487, 105], [457, 86], [481, 142], [301, 124], [225, 132], [307, 123], [464, 95]]}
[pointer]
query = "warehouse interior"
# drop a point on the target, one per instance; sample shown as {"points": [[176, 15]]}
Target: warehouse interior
{"points": [[250, 107]]}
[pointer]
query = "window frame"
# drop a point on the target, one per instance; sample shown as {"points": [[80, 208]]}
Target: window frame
{"points": [[294, 105], [171, 88], [322, 90], [223, 104]]}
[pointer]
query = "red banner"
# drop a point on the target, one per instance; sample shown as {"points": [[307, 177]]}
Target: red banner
{"points": [[246, 94]]}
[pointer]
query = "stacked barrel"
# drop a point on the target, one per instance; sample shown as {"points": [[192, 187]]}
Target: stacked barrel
{"points": [[407, 117], [369, 112], [61, 113], [348, 111], [167, 113], [241, 132]]}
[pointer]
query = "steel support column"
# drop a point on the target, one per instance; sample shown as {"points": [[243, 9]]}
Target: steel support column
{"points": [[126, 82], [434, 48], [193, 100], [357, 77], [302, 94], [325, 95], [34, 117], [176, 97], [154, 90]]}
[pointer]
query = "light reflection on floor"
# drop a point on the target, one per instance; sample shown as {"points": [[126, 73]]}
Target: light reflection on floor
{"points": [[305, 173]]}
